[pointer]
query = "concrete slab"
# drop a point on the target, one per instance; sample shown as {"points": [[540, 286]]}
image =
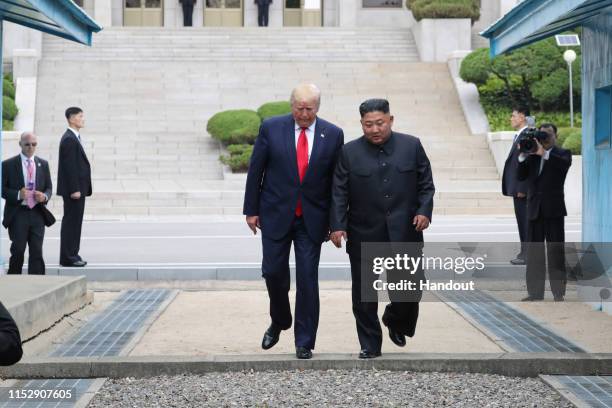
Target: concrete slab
{"points": [[38, 302]]}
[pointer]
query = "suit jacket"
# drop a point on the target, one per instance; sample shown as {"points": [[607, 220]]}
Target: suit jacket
{"points": [[378, 190], [510, 184], [273, 186], [10, 341], [263, 2], [74, 171], [188, 2], [545, 193], [12, 182]]}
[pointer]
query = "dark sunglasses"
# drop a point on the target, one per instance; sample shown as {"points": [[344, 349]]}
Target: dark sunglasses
{"points": [[30, 144]]}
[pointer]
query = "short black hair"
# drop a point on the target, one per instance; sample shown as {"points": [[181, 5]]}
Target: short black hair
{"points": [[549, 126], [522, 109], [73, 110], [374, 105]]}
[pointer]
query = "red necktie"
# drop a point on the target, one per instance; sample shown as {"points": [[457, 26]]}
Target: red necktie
{"points": [[302, 163]]}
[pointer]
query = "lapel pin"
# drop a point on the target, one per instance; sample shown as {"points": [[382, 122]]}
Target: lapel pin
{"points": [[322, 135]]}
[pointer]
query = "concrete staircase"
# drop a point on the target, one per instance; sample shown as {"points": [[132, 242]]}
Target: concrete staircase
{"points": [[148, 93]]}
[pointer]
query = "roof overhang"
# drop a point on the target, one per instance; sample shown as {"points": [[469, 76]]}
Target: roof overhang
{"points": [[534, 20], [62, 18]]}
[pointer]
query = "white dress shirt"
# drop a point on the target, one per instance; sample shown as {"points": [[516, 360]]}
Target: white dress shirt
{"points": [[24, 169], [523, 156], [309, 135], [78, 136]]}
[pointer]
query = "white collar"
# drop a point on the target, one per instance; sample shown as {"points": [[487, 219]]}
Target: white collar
{"points": [[75, 132], [25, 158], [311, 128]]}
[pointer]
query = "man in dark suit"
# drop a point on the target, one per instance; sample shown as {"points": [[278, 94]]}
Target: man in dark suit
{"points": [[545, 170], [26, 187], [10, 341], [263, 11], [287, 196], [73, 185], [188, 12], [382, 192], [511, 186]]}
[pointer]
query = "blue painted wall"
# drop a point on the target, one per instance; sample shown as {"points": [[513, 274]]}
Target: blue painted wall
{"points": [[597, 164]]}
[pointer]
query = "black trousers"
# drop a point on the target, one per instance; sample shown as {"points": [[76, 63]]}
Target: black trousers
{"points": [[522, 221], [275, 269], [263, 12], [546, 238], [27, 228], [400, 315], [70, 235], [187, 15]]}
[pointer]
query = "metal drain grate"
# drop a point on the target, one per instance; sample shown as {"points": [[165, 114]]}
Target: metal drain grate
{"points": [[585, 391], [105, 335], [108, 333], [515, 330]]}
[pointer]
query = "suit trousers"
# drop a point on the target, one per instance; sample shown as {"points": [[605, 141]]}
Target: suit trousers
{"points": [[401, 315], [70, 235], [275, 270], [522, 221], [546, 242], [187, 15], [263, 12], [27, 228]]}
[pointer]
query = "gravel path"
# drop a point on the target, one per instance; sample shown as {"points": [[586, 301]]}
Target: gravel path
{"points": [[335, 388]]}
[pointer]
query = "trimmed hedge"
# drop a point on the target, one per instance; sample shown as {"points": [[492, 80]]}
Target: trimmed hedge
{"points": [[444, 9], [573, 141], [9, 109], [234, 126], [564, 132], [267, 110], [8, 88], [239, 156]]}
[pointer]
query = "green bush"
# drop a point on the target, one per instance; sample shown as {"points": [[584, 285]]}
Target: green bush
{"points": [[9, 109], [499, 118], [8, 125], [535, 76], [444, 9], [267, 110], [239, 156], [234, 126], [8, 88], [564, 132], [574, 143]]}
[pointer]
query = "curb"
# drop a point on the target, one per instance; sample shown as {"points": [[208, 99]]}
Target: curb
{"points": [[507, 364]]}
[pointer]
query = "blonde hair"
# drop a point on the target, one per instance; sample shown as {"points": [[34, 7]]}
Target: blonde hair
{"points": [[306, 92]]}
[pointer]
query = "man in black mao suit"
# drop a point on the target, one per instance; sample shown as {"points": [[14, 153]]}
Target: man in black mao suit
{"points": [[382, 192], [263, 11], [10, 341], [288, 194], [512, 187], [545, 170], [73, 185], [26, 187], [188, 12]]}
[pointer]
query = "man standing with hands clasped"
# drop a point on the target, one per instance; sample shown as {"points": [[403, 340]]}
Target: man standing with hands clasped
{"points": [[73, 185], [287, 196], [382, 192], [26, 187]]}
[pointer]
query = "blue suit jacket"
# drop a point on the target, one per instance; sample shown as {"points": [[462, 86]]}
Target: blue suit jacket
{"points": [[273, 186]]}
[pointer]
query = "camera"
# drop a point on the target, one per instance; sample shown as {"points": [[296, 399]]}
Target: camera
{"points": [[527, 140]]}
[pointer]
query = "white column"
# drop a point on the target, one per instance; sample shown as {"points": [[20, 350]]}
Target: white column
{"points": [[347, 12], [103, 12]]}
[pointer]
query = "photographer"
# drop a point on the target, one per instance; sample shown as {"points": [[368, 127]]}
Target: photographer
{"points": [[544, 166], [10, 341]]}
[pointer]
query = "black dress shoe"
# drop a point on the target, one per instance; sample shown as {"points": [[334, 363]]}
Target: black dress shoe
{"points": [[369, 354], [531, 299], [76, 264], [303, 353], [397, 338], [270, 337], [559, 298], [518, 261]]}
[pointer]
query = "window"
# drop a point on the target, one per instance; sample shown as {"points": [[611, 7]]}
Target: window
{"points": [[382, 3], [603, 117]]}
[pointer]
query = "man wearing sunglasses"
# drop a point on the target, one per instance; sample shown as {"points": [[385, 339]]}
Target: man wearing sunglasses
{"points": [[26, 187]]}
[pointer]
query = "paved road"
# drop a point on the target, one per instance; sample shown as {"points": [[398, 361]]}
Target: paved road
{"points": [[227, 240]]}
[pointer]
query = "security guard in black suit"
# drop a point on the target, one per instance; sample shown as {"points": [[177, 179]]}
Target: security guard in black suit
{"points": [[188, 12], [10, 341], [545, 170], [382, 192], [26, 187]]}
